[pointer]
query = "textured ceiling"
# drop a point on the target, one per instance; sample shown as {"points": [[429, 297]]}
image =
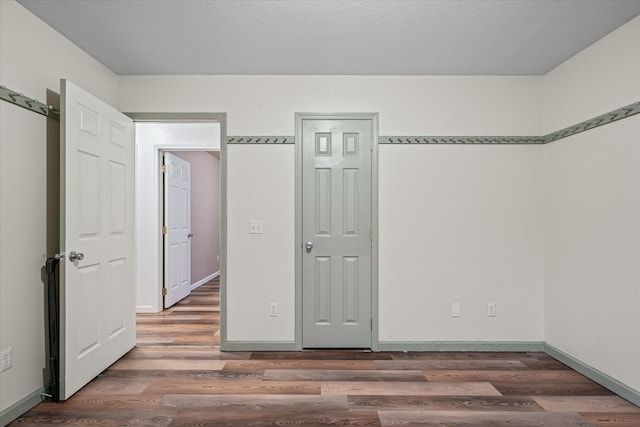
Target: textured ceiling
{"points": [[351, 37]]}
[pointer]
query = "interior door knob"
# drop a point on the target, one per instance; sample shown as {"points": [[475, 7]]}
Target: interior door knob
{"points": [[309, 246], [75, 256]]}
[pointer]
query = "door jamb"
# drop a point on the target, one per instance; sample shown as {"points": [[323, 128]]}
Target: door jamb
{"points": [[299, 117]]}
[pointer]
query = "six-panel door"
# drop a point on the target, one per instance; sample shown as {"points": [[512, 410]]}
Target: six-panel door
{"points": [[336, 224]]}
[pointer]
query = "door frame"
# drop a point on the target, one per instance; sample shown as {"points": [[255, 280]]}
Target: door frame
{"points": [[299, 117], [185, 118]]}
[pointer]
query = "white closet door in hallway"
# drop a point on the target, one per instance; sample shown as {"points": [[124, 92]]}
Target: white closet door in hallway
{"points": [[177, 229]]}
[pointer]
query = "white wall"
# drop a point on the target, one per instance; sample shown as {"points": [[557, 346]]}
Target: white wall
{"points": [[260, 267], [494, 188], [461, 224], [33, 57], [597, 80], [409, 105], [151, 138], [592, 209]]}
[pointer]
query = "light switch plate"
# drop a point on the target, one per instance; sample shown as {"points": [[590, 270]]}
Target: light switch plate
{"points": [[491, 309], [255, 226], [273, 309]]}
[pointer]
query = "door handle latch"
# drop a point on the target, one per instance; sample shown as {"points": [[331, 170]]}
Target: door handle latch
{"points": [[308, 246], [75, 256]]}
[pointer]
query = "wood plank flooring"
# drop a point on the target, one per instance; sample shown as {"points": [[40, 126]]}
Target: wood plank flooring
{"points": [[176, 376]]}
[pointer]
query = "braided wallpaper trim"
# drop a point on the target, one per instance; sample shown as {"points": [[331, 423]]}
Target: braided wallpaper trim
{"points": [[601, 120]]}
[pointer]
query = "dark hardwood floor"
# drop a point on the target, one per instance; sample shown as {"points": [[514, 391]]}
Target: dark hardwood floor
{"points": [[176, 376]]}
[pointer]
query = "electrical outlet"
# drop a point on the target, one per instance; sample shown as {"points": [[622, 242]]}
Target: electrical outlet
{"points": [[5, 359], [273, 309], [455, 309], [255, 226], [491, 309]]}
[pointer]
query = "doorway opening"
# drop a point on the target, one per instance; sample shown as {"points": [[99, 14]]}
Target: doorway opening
{"points": [[208, 133], [191, 210], [191, 326], [152, 139]]}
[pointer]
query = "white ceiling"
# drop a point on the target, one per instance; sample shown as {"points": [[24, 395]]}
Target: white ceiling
{"points": [[351, 37]]}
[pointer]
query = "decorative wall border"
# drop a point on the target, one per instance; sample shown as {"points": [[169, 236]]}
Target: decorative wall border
{"points": [[31, 104], [260, 140], [601, 120], [460, 140]]}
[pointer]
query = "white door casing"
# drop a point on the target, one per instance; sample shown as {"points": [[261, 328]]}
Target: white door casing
{"points": [[177, 220], [97, 289], [337, 231]]}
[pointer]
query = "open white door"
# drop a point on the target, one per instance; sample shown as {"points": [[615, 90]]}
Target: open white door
{"points": [[177, 237], [97, 288]]}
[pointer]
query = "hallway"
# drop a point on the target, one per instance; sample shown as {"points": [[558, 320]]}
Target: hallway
{"points": [[188, 323]]}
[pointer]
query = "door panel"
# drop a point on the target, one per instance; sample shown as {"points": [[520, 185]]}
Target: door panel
{"points": [[337, 221], [97, 291], [177, 241]]}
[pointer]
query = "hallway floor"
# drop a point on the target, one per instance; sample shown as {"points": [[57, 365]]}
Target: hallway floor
{"points": [[176, 376]]}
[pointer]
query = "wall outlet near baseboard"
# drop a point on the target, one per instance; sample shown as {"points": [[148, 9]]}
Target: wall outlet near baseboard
{"points": [[5, 359]]}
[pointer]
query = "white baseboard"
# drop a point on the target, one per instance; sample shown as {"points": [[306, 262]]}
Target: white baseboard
{"points": [[490, 346], [257, 346], [146, 309], [22, 406], [596, 375], [205, 280]]}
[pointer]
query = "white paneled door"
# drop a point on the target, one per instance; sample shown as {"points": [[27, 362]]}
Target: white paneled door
{"points": [[97, 288], [177, 231], [337, 233]]}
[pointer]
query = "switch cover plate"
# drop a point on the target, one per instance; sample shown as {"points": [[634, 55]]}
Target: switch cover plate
{"points": [[491, 309], [273, 309]]}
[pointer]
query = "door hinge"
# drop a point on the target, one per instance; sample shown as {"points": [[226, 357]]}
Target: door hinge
{"points": [[164, 292], [164, 168], [372, 323], [165, 230], [371, 234]]}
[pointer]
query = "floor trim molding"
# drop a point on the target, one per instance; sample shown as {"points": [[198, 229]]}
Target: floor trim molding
{"points": [[594, 374], [22, 406], [205, 280], [493, 346], [258, 346]]}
